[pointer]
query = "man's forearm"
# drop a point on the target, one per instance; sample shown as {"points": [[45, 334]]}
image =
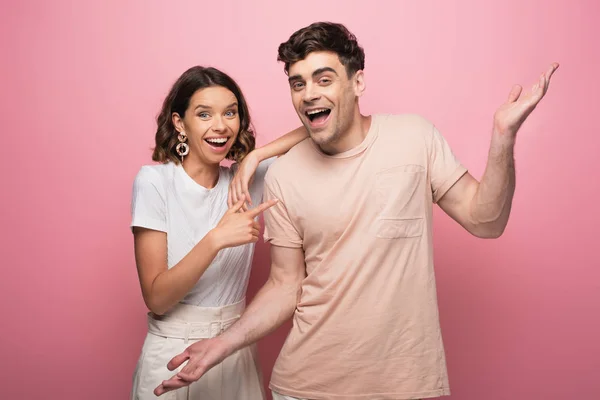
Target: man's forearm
{"points": [[490, 208], [272, 306]]}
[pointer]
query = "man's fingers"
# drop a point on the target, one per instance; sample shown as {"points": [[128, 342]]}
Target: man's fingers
{"points": [[174, 383], [551, 70], [178, 360], [166, 386], [262, 207], [541, 87], [545, 85], [159, 390], [192, 372], [189, 378], [537, 91], [514, 93], [195, 369], [549, 74]]}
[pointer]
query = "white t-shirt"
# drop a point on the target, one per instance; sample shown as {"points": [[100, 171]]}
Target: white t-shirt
{"points": [[165, 198]]}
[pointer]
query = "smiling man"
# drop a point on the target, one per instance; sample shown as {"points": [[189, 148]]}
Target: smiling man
{"points": [[351, 235]]}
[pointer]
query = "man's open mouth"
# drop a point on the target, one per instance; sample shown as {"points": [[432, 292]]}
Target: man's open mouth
{"points": [[318, 114]]}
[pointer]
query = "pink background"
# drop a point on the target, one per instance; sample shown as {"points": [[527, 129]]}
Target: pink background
{"points": [[82, 82]]}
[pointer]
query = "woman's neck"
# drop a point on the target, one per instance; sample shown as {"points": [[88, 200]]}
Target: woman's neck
{"points": [[206, 175]]}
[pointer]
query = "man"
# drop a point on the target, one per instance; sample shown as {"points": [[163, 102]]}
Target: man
{"points": [[351, 235]]}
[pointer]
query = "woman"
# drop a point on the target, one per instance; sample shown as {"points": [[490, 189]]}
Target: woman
{"points": [[194, 252]]}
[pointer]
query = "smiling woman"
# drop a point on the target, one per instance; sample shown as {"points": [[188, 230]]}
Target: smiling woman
{"points": [[193, 252], [213, 124], [218, 91]]}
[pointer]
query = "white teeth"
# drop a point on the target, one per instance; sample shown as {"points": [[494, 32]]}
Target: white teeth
{"points": [[311, 112], [217, 140]]}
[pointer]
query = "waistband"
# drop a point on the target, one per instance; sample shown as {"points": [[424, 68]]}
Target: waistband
{"points": [[187, 322]]}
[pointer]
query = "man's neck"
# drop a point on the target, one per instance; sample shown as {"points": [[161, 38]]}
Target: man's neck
{"points": [[350, 138]]}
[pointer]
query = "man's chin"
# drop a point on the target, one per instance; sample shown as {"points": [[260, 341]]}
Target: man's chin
{"points": [[321, 137]]}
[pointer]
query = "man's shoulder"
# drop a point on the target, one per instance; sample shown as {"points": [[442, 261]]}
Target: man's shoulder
{"points": [[291, 162], [408, 121], [405, 130]]}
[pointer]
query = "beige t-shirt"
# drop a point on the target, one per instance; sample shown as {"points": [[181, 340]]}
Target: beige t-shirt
{"points": [[366, 325]]}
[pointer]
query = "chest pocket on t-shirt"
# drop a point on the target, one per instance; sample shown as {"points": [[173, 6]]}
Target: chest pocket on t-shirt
{"points": [[400, 201]]}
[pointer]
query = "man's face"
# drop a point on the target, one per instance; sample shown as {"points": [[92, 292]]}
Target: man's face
{"points": [[323, 96]]}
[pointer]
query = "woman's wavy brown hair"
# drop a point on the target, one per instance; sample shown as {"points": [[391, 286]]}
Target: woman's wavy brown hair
{"points": [[178, 100]]}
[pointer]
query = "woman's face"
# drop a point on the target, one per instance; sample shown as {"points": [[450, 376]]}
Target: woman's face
{"points": [[211, 123]]}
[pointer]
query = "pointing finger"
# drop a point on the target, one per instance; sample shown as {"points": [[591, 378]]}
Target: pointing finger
{"points": [[262, 207]]}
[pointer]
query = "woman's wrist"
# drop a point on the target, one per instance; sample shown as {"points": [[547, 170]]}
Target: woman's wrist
{"points": [[258, 154]]}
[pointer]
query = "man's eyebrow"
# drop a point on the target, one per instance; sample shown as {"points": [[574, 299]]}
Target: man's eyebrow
{"points": [[316, 72]]}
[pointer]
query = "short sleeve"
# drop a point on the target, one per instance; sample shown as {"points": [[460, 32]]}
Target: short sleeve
{"points": [[279, 229], [148, 205], [445, 169]]}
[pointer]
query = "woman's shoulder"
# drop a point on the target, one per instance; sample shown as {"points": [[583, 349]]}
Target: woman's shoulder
{"points": [[154, 173]]}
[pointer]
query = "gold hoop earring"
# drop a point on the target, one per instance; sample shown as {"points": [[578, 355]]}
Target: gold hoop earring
{"points": [[182, 147]]}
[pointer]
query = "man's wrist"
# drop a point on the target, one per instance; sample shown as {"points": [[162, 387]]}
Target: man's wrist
{"points": [[230, 341]]}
